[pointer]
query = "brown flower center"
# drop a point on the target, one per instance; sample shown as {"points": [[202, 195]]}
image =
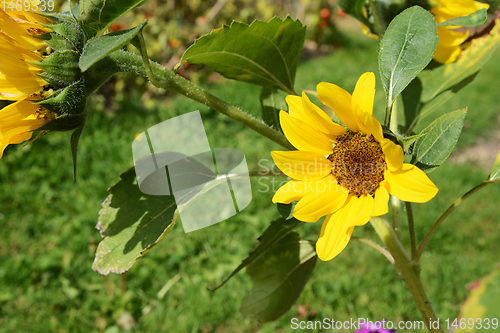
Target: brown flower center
{"points": [[358, 163]]}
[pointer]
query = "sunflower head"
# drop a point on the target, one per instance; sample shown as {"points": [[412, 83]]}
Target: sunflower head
{"points": [[39, 73], [344, 172]]}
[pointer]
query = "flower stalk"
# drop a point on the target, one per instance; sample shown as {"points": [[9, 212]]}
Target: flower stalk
{"points": [[392, 123], [405, 269], [164, 78], [450, 209]]}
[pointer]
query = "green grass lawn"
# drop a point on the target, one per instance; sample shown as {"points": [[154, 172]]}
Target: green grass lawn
{"points": [[48, 236]]}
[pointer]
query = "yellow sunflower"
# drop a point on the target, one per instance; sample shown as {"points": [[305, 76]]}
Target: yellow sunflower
{"points": [[345, 173], [450, 40], [19, 82]]}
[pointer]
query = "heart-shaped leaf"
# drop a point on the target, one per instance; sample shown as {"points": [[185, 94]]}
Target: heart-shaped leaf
{"points": [[262, 53], [131, 222]]}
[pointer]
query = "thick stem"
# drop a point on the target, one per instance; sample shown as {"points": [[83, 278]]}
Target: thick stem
{"points": [[388, 113], [411, 227], [396, 215], [404, 268], [391, 121], [166, 79], [445, 215], [123, 284]]}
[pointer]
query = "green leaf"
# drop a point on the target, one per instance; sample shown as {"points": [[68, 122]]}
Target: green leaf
{"points": [[75, 138], [482, 305], [99, 47], [262, 53], [286, 210], [495, 172], [472, 20], [441, 137], [96, 15], [407, 47], [271, 236], [131, 222], [411, 102], [272, 103], [407, 141], [279, 276]]}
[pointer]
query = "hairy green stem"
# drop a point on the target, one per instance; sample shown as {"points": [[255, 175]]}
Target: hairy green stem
{"points": [[441, 219], [396, 215], [164, 78], [411, 227], [392, 123], [388, 114], [413, 238], [404, 268]]}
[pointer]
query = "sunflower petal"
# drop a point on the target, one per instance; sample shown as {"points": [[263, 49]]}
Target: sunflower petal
{"points": [[335, 232], [370, 125], [363, 207], [304, 137], [291, 191], [295, 109], [394, 156], [302, 165], [18, 30], [364, 93], [411, 184], [18, 88], [381, 200], [446, 55], [450, 9], [19, 133], [17, 111], [339, 101], [325, 198], [319, 119]]}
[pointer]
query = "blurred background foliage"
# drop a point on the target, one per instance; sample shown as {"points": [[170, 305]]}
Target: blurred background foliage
{"points": [[47, 223], [173, 25]]}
